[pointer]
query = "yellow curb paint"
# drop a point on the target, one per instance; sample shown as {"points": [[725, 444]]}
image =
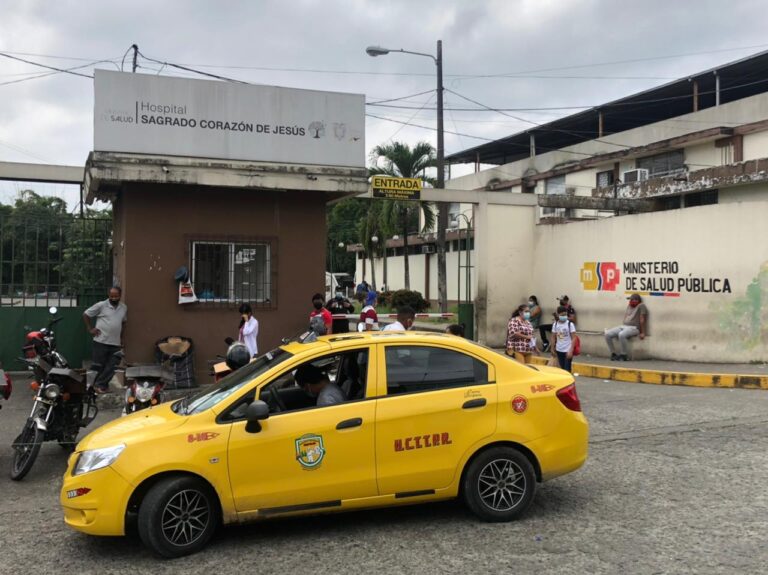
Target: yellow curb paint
{"points": [[634, 375]]}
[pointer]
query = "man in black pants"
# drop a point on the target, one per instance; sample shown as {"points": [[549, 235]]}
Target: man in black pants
{"points": [[110, 316], [545, 328]]}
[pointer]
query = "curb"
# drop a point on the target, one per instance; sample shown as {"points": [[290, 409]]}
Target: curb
{"points": [[635, 375]]}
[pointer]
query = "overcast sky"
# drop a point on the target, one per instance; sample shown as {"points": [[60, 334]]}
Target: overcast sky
{"points": [[527, 54]]}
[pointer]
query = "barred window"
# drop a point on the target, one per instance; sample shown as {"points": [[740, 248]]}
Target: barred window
{"points": [[232, 271]]}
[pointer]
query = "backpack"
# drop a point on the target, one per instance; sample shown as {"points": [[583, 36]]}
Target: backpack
{"points": [[317, 325], [576, 344]]}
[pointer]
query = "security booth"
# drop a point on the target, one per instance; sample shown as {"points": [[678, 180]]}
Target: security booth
{"points": [[229, 181]]}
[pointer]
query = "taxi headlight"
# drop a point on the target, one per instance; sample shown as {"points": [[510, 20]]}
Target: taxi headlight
{"points": [[52, 391], [144, 393], [94, 459]]}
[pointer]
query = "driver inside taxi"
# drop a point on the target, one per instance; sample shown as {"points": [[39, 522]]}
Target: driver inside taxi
{"points": [[316, 384]]}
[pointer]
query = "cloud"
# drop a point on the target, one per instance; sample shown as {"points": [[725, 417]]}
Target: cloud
{"points": [[52, 117]]}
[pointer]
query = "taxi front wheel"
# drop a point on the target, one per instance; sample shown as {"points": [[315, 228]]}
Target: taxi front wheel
{"points": [[178, 516], [499, 484]]}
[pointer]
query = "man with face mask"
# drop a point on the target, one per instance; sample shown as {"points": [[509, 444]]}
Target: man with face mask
{"points": [[635, 318], [110, 315], [320, 311]]}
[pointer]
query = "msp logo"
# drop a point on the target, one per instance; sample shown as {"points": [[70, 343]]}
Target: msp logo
{"points": [[310, 451], [600, 276]]}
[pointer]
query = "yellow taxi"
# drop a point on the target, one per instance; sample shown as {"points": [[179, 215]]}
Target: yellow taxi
{"points": [[347, 421]]}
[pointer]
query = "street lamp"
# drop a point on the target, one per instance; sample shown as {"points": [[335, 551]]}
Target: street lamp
{"points": [[375, 241], [442, 214]]}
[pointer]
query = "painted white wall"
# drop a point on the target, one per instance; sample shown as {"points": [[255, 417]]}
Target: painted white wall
{"points": [[755, 145], [726, 241]]}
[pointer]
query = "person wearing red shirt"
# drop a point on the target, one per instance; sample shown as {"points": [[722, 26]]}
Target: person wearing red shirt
{"points": [[369, 320], [319, 305]]}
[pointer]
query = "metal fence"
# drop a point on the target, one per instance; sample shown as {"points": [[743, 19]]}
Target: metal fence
{"points": [[64, 261]]}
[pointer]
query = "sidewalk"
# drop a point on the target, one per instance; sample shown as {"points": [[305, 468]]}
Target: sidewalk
{"points": [[662, 372]]}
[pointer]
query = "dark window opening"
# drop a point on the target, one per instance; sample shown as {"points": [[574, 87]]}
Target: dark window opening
{"points": [[706, 198], [232, 271], [663, 164], [605, 179]]}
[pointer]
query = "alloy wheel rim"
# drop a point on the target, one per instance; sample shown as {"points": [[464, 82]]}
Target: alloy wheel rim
{"points": [[501, 485], [185, 517]]}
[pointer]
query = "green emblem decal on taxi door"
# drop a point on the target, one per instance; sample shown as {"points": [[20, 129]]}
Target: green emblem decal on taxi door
{"points": [[310, 451]]}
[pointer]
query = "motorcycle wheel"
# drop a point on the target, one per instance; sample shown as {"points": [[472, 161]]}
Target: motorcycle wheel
{"points": [[25, 449]]}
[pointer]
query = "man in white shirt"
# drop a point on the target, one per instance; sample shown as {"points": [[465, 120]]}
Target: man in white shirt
{"points": [[405, 318]]}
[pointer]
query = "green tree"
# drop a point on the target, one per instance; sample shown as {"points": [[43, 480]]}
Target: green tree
{"points": [[400, 160], [343, 221], [86, 263], [33, 236]]}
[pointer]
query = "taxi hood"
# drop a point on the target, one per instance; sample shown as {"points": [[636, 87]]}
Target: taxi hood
{"points": [[144, 424]]}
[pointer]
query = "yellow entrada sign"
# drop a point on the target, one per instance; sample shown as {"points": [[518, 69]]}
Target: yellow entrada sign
{"points": [[396, 188]]}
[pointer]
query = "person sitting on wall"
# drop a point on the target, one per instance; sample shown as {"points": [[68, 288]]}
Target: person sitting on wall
{"points": [[635, 318]]}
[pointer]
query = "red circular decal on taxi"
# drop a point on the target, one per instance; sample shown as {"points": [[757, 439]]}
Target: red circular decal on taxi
{"points": [[519, 404]]}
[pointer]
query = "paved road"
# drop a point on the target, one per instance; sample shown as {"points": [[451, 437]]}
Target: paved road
{"points": [[675, 483]]}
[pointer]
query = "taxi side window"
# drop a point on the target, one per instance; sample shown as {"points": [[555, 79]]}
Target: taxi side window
{"points": [[421, 368]]}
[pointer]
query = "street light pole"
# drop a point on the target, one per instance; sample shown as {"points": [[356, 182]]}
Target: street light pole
{"points": [[442, 207]]}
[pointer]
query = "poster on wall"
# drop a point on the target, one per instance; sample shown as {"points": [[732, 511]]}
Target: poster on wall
{"points": [[649, 278], [162, 115]]}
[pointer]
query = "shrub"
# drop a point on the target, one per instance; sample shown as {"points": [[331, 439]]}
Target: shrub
{"points": [[414, 299]]}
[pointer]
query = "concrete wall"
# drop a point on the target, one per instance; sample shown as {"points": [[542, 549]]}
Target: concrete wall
{"points": [[506, 262], [419, 275], [708, 245], [154, 225]]}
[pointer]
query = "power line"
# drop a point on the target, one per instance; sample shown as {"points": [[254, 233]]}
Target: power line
{"points": [[180, 67], [45, 65]]}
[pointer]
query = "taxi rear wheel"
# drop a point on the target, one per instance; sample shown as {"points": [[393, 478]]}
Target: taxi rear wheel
{"points": [[499, 484], [178, 516]]}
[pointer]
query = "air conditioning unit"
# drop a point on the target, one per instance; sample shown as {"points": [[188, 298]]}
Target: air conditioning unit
{"points": [[428, 249], [632, 176]]}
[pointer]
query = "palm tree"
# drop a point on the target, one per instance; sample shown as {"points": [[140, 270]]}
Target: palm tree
{"points": [[399, 160], [368, 227]]}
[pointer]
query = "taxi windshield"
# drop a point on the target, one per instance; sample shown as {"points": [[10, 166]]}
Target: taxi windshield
{"points": [[210, 396]]}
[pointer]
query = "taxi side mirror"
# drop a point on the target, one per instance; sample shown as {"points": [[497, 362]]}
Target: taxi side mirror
{"points": [[254, 414]]}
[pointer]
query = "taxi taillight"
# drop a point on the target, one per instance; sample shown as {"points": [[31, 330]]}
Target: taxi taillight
{"points": [[569, 397]]}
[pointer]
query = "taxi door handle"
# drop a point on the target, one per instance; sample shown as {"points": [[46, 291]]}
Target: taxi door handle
{"points": [[347, 423], [480, 402]]}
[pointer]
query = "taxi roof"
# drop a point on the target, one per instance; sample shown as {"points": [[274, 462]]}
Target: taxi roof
{"points": [[340, 340]]}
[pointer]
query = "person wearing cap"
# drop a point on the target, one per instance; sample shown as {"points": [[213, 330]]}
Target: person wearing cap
{"points": [[316, 384], [318, 303], [369, 320], [566, 303], [405, 318], [635, 317]]}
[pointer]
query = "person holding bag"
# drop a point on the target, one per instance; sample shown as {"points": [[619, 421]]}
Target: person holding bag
{"points": [[520, 335]]}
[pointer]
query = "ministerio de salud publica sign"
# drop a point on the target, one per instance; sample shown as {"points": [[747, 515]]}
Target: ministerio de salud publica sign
{"points": [[149, 114]]}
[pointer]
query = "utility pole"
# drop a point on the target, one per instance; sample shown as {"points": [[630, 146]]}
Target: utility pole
{"points": [[442, 213], [135, 57]]}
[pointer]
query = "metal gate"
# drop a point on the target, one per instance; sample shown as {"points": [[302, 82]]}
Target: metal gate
{"points": [[63, 261]]}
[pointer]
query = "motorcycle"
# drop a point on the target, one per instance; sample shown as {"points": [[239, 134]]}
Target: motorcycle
{"points": [[144, 387], [6, 386], [63, 403]]}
